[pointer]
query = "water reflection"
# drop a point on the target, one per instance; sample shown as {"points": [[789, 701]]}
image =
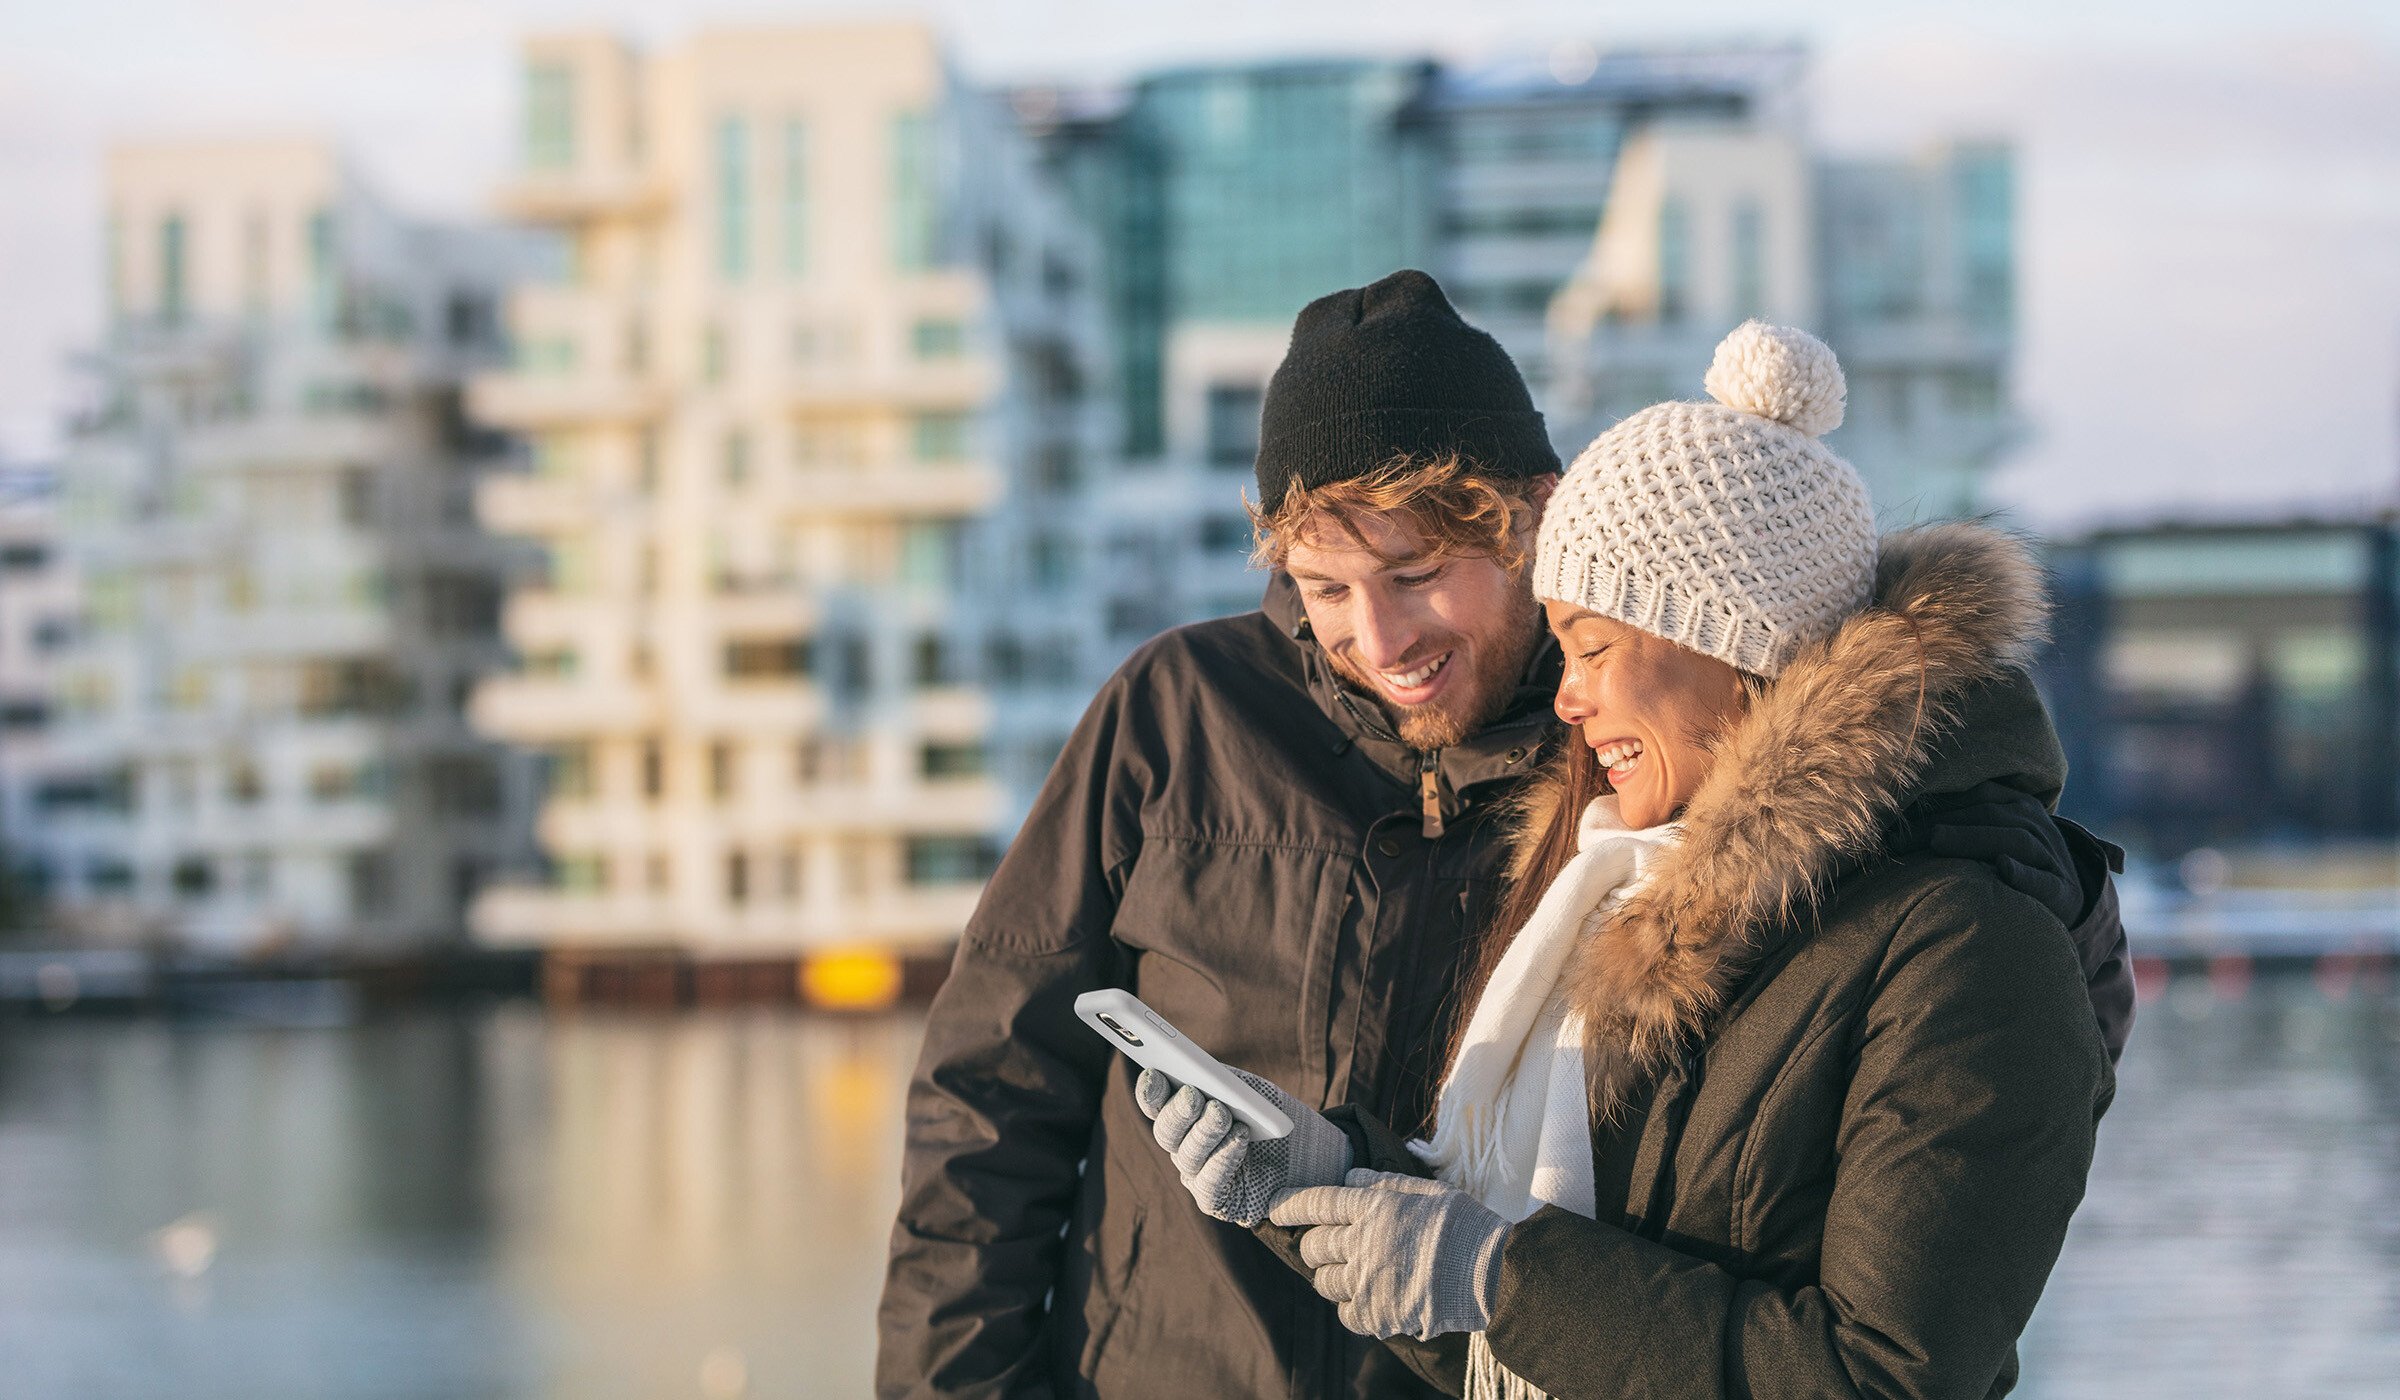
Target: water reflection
{"points": [[447, 1205], [506, 1203]]}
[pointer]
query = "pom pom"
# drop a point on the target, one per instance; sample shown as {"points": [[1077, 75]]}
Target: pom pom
{"points": [[1780, 373]]}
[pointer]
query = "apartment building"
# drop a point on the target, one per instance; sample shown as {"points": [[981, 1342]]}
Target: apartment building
{"points": [[809, 414], [39, 602], [258, 739], [1906, 267], [1607, 216]]}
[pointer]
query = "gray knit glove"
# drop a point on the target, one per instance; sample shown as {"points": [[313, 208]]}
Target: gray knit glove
{"points": [[1233, 1178], [1399, 1254]]}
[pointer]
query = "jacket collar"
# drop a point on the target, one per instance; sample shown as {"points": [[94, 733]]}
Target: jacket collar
{"points": [[1507, 748], [1925, 686]]}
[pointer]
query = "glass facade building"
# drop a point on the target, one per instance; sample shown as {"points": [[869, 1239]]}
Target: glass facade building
{"points": [[2231, 684]]}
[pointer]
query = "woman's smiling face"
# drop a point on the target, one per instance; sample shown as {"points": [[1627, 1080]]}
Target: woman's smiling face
{"points": [[1648, 708]]}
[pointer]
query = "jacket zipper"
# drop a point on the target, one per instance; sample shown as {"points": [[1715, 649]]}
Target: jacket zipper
{"points": [[1429, 794]]}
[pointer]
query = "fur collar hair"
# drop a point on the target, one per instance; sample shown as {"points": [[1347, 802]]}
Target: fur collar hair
{"points": [[1806, 781]]}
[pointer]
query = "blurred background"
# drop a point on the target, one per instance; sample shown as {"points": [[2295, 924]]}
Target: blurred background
{"points": [[545, 547]]}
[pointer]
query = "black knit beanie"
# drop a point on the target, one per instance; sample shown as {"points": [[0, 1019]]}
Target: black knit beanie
{"points": [[1386, 370]]}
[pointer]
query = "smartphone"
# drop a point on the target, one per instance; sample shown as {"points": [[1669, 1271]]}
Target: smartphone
{"points": [[1119, 1018]]}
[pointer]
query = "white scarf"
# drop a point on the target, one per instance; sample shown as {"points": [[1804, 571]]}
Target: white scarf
{"points": [[1513, 1125]]}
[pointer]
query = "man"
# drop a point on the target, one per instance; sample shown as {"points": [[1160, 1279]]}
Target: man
{"points": [[1283, 831]]}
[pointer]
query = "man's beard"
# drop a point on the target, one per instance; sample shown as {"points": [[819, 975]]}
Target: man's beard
{"points": [[1473, 699]]}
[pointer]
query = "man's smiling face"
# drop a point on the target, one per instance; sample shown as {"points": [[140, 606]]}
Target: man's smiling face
{"points": [[1439, 640]]}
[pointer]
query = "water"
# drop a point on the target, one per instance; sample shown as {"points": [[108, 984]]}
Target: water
{"points": [[507, 1203]]}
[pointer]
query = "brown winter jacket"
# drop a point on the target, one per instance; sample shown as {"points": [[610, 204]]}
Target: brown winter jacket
{"points": [[1245, 846], [1845, 1097]]}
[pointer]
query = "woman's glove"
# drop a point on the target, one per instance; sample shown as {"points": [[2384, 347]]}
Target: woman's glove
{"points": [[1399, 1254], [1233, 1178]]}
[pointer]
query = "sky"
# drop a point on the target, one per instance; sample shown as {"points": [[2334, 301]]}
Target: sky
{"points": [[2209, 236]]}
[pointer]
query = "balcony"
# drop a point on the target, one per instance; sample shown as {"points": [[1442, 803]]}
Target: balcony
{"points": [[292, 632], [574, 195], [537, 709], [964, 383], [286, 440], [888, 489], [525, 504], [520, 915], [529, 401]]}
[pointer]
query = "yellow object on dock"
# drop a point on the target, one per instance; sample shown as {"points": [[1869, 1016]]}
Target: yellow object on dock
{"points": [[854, 980]]}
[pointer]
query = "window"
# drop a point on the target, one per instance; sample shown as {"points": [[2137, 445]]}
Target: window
{"points": [[580, 874], [465, 785], [737, 458], [938, 437], [822, 760], [254, 264], [23, 556], [195, 877], [721, 769], [345, 782], [646, 462], [1226, 534], [795, 196], [952, 762], [243, 783], [555, 663], [937, 339], [171, 255], [654, 768], [549, 116], [566, 772], [370, 881], [737, 877], [950, 860], [1051, 561], [716, 357], [767, 658], [324, 299], [1232, 426], [787, 875], [931, 657], [733, 198], [1674, 261], [1749, 259], [915, 201], [929, 555]]}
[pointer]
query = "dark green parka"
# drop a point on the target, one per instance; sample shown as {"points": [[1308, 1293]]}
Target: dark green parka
{"points": [[1845, 1098]]}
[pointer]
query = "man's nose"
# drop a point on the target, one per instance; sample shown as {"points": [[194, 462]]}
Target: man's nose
{"points": [[1384, 632]]}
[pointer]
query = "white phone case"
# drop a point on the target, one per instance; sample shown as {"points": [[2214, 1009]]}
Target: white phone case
{"points": [[1118, 1017]]}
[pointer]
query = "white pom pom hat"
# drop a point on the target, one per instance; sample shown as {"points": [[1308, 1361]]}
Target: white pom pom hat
{"points": [[1724, 527]]}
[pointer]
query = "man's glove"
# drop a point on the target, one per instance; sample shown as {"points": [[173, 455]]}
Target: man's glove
{"points": [[1399, 1254], [1233, 1178]]}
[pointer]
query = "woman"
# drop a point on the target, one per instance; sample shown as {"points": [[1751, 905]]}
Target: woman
{"points": [[1760, 1098]]}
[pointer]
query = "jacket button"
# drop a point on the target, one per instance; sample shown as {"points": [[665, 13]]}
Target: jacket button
{"points": [[1389, 845]]}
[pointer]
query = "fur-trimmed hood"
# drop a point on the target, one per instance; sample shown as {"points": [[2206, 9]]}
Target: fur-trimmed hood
{"points": [[1922, 692]]}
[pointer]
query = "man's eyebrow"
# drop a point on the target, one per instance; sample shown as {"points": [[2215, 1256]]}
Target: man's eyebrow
{"points": [[1396, 566]]}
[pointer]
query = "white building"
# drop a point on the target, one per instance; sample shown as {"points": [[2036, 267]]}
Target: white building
{"points": [[809, 416], [39, 601], [1904, 267], [259, 728]]}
